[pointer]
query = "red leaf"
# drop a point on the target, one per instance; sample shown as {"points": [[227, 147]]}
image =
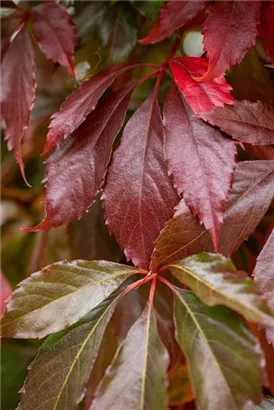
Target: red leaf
{"points": [[201, 161], [249, 199], [78, 105], [266, 27], [174, 15], [245, 121], [6, 291], [55, 33], [139, 197], [230, 30], [18, 91], [76, 170], [200, 96], [264, 274]]}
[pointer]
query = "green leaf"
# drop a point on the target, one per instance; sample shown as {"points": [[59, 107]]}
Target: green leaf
{"points": [[57, 377], [149, 9], [223, 356], [59, 295], [215, 280], [137, 376]]}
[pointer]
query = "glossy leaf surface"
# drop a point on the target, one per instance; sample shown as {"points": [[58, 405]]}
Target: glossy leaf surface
{"points": [[251, 194], [230, 30], [202, 96], [245, 121], [136, 378], [76, 170], [64, 361], [17, 90], [78, 105], [223, 356], [59, 296], [55, 33], [215, 281], [194, 148], [173, 15], [138, 197]]}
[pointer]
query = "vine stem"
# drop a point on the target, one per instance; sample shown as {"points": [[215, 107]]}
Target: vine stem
{"points": [[139, 283], [152, 290], [167, 283]]}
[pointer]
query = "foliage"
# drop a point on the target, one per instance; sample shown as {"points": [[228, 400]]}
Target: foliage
{"points": [[174, 152]]}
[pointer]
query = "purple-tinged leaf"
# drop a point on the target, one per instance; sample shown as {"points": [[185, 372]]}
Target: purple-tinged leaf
{"points": [[201, 161], [245, 121], [139, 197], [76, 170], [251, 194], [78, 105], [55, 33]]}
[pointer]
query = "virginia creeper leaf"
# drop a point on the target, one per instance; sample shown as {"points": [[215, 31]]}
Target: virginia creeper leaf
{"points": [[224, 358], [191, 148], [149, 9], [138, 196], [79, 104], [76, 170], [264, 275], [64, 361], [230, 30], [17, 91], [173, 15], [6, 290], [59, 295], [266, 27], [55, 33], [202, 96], [249, 199], [136, 378], [179, 389], [215, 281], [245, 121]]}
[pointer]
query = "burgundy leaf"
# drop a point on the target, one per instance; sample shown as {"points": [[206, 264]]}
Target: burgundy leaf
{"points": [[249, 199], [230, 30], [264, 275], [75, 171], [201, 161], [18, 91], [79, 104], [245, 121], [55, 33], [6, 291], [139, 197], [200, 96], [174, 15], [266, 27]]}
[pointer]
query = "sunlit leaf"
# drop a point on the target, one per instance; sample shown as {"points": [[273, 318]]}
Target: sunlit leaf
{"points": [[216, 281], [59, 295]]}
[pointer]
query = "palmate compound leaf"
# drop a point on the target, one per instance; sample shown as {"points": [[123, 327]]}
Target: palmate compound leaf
{"points": [[136, 379], [55, 33], [76, 170], [174, 15], [59, 295], [18, 85], [266, 27], [79, 104], [57, 377], [138, 196], [194, 148], [264, 276], [245, 121], [251, 194], [224, 357], [201, 96], [215, 280], [230, 30]]}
